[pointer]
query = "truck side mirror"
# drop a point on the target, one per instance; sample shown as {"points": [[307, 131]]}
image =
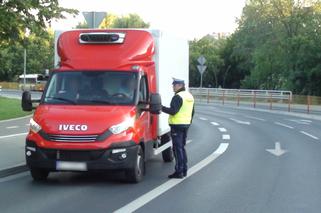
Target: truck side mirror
{"points": [[26, 102], [155, 103]]}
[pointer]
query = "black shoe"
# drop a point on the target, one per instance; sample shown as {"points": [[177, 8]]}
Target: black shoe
{"points": [[176, 175], [185, 174]]}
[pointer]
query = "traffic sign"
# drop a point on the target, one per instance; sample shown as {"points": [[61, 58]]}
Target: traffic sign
{"points": [[201, 68], [201, 60], [94, 19]]}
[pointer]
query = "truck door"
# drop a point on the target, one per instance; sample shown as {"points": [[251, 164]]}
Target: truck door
{"points": [[145, 116]]}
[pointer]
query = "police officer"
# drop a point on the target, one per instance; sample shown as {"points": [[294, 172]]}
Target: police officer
{"points": [[180, 112]]}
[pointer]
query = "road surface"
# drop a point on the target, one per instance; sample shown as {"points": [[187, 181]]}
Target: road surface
{"points": [[240, 160]]}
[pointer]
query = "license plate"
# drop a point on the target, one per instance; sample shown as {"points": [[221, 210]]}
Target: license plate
{"points": [[71, 166]]}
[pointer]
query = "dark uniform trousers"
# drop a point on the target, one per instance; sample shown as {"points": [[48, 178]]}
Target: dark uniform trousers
{"points": [[179, 135]]}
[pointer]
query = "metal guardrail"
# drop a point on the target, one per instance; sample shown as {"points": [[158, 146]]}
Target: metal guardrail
{"points": [[242, 94]]}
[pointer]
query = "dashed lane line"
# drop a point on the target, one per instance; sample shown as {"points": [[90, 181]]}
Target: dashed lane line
{"points": [[203, 119], [13, 135], [309, 135], [12, 127], [284, 125], [222, 129], [226, 137], [307, 121], [215, 124], [240, 122], [151, 195], [255, 118]]}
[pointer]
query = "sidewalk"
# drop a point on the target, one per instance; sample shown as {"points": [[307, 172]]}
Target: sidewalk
{"points": [[295, 108], [274, 111]]}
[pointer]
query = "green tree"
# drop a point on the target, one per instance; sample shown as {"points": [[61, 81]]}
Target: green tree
{"points": [[17, 16], [278, 39], [208, 46], [114, 21], [39, 56]]}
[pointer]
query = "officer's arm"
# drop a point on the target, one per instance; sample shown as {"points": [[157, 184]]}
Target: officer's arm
{"points": [[176, 104]]}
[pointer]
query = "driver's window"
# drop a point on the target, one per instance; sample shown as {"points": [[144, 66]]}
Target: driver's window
{"points": [[143, 89]]}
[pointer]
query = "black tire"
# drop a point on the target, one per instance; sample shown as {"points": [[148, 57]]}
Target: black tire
{"points": [[167, 154], [39, 174], [136, 174]]}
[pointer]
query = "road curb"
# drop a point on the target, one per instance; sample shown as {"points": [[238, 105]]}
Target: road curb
{"points": [[13, 170]]}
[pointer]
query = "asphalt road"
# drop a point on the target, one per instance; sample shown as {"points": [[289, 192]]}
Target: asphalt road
{"points": [[231, 171]]}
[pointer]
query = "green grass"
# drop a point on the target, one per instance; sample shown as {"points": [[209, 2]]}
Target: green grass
{"points": [[11, 108]]}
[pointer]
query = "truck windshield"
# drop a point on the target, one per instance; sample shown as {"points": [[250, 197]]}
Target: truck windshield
{"points": [[92, 88]]}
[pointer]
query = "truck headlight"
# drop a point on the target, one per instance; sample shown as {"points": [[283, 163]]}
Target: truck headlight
{"points": [[34, 126], [123, 126]]}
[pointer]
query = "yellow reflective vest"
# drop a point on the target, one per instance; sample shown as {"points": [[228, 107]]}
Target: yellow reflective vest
{"points": [[184, 115]]}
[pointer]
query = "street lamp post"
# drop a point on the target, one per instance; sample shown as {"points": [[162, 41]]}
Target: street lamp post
{"points": [[27, 32], [24, 67]]}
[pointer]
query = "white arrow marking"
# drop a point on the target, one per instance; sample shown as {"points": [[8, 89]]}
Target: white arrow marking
{"points": [[277, 151], [240, 122], [214, 123]]}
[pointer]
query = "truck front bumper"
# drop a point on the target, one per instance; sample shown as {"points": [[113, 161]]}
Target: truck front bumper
{"points": [[119, 157]]}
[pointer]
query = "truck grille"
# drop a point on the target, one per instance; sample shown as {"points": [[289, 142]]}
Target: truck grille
{"points": [[73, 155], [73, 138]]}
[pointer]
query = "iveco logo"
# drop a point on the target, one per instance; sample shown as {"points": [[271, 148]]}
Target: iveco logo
{"points": [[73, 127]]}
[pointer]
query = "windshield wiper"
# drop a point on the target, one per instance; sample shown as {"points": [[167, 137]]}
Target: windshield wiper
{"points": [[63, 99], [100, 101]]}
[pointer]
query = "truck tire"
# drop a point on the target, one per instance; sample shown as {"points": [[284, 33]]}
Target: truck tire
{"points": [[136, 174], [39, 174], [167, 154]]}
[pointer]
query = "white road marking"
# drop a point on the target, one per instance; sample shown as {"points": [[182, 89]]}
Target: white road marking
{"points": [[149, 196], [163, 147], [298, 121], [203, 119], [240, 122], [14, 119], [255, 118], [226, 137], [222, 129], [284, 125], [228, 113], [311, 136], [307, 121], [12, 127], [14, 135], [215, 124], [188, 141], [277, 151], [27, 124]]}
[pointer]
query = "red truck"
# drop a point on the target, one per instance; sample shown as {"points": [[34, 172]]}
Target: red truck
{"points": [[100, 109]]}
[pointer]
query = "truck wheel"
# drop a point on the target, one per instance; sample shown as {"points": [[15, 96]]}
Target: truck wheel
{"points": [[39, 174], [136, 173], [167, 154]]}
